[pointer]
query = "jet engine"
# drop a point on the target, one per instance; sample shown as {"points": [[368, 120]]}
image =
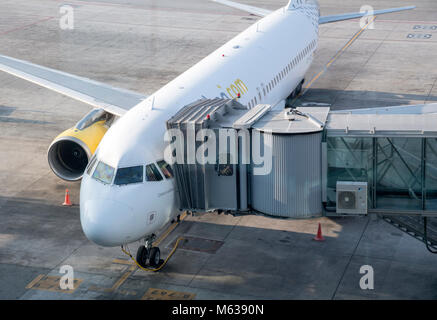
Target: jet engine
{"points": [[70, 152]]}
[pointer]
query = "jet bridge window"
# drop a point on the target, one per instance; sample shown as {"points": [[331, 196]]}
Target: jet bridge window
{"points": [[152, 173], [103, 173], [129, 175], [165, 168]]}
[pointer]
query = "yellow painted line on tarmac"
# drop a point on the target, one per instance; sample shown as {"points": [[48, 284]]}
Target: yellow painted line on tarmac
{"points": [[51, 283], [163, 294], [34, 281], [118, 283], [123, 261], [334, 58], [133, 267], [123, 278], [156, 243], [169, 230]]}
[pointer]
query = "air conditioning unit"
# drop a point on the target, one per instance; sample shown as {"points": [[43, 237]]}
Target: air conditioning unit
{"points": [[351, 197]]}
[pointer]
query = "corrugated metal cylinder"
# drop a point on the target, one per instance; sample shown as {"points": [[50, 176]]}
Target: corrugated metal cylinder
{"points": [[293, 186]]}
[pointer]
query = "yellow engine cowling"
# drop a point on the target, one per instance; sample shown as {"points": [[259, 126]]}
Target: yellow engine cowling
{"points": [[70, 152]]}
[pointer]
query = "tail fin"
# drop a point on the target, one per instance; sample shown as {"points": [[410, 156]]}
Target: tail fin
{"points": [[295, 4]]}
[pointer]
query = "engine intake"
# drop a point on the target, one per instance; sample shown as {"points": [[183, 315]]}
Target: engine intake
{"points": [[70, 152], [68, 158]]}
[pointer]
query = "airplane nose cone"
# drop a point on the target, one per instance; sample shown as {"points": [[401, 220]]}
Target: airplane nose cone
{"points": [[106, 222]]}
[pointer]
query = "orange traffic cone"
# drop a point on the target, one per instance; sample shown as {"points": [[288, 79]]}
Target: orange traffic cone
{"points": [[319, 236], [67, 201]]}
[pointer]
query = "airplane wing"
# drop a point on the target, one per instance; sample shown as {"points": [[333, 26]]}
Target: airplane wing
{"points": [[322, 20], [347, 16], [244, 7], [114, 100]]}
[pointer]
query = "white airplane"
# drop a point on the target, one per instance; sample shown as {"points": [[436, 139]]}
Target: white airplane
{"points": [[127, 191]]}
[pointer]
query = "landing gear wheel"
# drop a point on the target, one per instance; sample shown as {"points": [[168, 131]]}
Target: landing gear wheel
{"points": [[155, 257], [142, 255]]}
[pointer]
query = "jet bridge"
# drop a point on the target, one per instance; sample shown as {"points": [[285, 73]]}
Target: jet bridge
{"points": [[309, 162], [261, 160], [393, 150]]}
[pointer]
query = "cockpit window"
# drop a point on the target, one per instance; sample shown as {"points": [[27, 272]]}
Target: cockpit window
{"points": [[103, 173], [165, 168], [152, 173], [92, 117], [129, 175], [91, 164]]}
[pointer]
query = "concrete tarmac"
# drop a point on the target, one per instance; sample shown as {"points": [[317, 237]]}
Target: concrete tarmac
{"points": [[142, 45]]}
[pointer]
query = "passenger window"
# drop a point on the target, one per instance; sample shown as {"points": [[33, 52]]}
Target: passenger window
{"points": [[152, 173], [91, 164], [165, 168], [129, 175], [103, 173]]}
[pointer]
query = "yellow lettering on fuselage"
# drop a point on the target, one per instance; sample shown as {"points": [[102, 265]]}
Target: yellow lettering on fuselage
{"points": [[241, 86], [238, 87]]}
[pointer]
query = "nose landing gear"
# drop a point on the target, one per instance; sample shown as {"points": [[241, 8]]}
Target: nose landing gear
{"points": [[149, 253]]}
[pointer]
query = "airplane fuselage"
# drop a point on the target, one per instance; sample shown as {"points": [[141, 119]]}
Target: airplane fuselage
{"points": [[263, 64]]}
